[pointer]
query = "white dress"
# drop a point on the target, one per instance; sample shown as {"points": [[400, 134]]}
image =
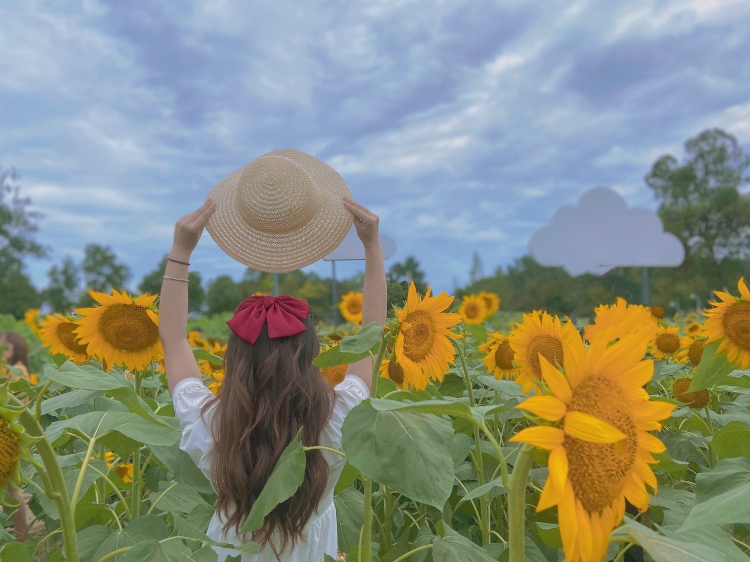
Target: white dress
{"points": [[188, 397]]}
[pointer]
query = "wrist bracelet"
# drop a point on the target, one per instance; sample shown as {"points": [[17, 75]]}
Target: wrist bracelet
{"points": [[176, 279], [178, 261]]}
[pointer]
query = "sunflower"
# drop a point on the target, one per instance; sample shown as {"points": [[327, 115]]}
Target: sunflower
{"points": [[335, 374], [667, 342], [491, 301], [122, 330], [499, 358], [614, 321], [31, 317], [423, 348], [14, 442], [195, 339], [693, 329], [729, 322], [657, 312], [695, 400], [539, 334], [351, 307], [600, 448], [473, 309], [390, 369], [209, 369], [56, 333]]}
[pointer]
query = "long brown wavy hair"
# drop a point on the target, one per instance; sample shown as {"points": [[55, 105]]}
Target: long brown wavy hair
{"points": [[270, 390]]}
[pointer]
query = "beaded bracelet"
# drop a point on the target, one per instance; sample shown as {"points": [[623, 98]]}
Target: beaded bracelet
{"points": [[176, 279], [178, 261]]}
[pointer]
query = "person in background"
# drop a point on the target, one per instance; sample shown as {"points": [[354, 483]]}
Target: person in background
{"points": [[15, 354]]}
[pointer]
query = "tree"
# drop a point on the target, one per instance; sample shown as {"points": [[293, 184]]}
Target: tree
{"points": [[101, 271], [18, 223], [701, 203], [477, 269], [223, 295], [64, 286], [151, 284], [408, 271]]}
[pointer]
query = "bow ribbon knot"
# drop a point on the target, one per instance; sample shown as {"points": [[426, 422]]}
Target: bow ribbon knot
{"points": [[284, 316]]}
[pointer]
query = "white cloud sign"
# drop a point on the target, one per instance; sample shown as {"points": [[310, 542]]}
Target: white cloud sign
{"points": [[601, 233]]}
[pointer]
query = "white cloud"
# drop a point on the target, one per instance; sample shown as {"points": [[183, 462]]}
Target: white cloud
{"points": [[601, 233]]}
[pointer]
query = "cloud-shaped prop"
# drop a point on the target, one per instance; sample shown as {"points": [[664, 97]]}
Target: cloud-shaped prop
{"points": [[601, 233]]}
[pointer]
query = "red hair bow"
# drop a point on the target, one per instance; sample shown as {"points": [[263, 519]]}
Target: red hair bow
{"points": [[284, 316]]}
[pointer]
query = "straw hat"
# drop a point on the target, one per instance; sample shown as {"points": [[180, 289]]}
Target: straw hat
{"points": [[280, 212]]}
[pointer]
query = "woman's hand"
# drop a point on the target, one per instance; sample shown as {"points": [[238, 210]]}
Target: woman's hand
{"points": [[365, 221], [188, 230]]}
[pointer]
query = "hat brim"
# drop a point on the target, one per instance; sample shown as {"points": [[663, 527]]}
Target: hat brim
{"points": [[278, 252]]}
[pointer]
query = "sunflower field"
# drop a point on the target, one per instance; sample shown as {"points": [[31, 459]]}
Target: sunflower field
{"points": [[488, 437]]}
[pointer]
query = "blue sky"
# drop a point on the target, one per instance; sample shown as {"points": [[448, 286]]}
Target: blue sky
{"points": [[463, 124]]}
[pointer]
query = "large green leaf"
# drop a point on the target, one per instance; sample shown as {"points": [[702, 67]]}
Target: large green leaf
{"points": [[285, 480], [69, 400], [439, 407], [96, 424], [364, 340], [85, 377], [137, 405], [408, 451], [732, 440], [713, 368], [457, 548], [727, 475], [335, 356], [350, 506], [176, 497], [155, 551], [665, 549], [730, 507], [716, 538], [98, 541]]}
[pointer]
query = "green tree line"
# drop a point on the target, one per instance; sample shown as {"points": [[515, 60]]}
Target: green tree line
{"points": [[700, 201]]}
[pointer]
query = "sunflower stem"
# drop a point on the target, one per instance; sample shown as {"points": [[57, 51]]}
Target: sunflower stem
{"points": [[376, 367], [39, 396], [365, 547], [135, 508], [517, 505], [484, 500], [57, 482]]}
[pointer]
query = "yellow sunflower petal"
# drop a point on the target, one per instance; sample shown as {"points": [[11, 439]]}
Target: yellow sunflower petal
{"points": [[546, 407], [555, 380], [542, 437], [589, 428]]}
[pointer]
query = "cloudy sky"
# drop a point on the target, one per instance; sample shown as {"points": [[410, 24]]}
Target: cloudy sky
{"points": [[463, 123]]}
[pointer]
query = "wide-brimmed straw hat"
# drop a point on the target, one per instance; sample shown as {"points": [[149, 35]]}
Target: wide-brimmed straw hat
{"points": [[280, 212]]}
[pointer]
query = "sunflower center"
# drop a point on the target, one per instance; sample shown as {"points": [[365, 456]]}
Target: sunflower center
{"points": [[657, 312], [736, 323], [695, 400], [597, 470], [419, 339], [667, 343], [8, 451], [354, 306], [504, 356], [472, 310], [396, 373], [128, 327], [68, 338], [335, 374], [550, 347], [695, 351]]}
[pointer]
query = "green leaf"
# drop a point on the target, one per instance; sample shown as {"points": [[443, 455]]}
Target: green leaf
{"points": [[714, 537], [478, 331], [725, 476], [85, 377], [438, 407], [665, 549], [408, 451], [349, 475], [712, 369], [176, 497], [350, 506], [15, 551], [97, 541], [137, 405], [455, 547], [727, 505], [674, 468], [96, 424], [69, 400], [364, 340], [732, 440], [285, 480], [334, 356], [488, 488], [155, 551], [200, 353]]}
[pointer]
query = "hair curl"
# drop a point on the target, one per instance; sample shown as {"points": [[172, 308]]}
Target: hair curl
{"points": [[270, 390]]}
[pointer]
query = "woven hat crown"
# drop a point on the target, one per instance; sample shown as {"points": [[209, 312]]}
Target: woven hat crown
{"points": [[275, 194]]}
